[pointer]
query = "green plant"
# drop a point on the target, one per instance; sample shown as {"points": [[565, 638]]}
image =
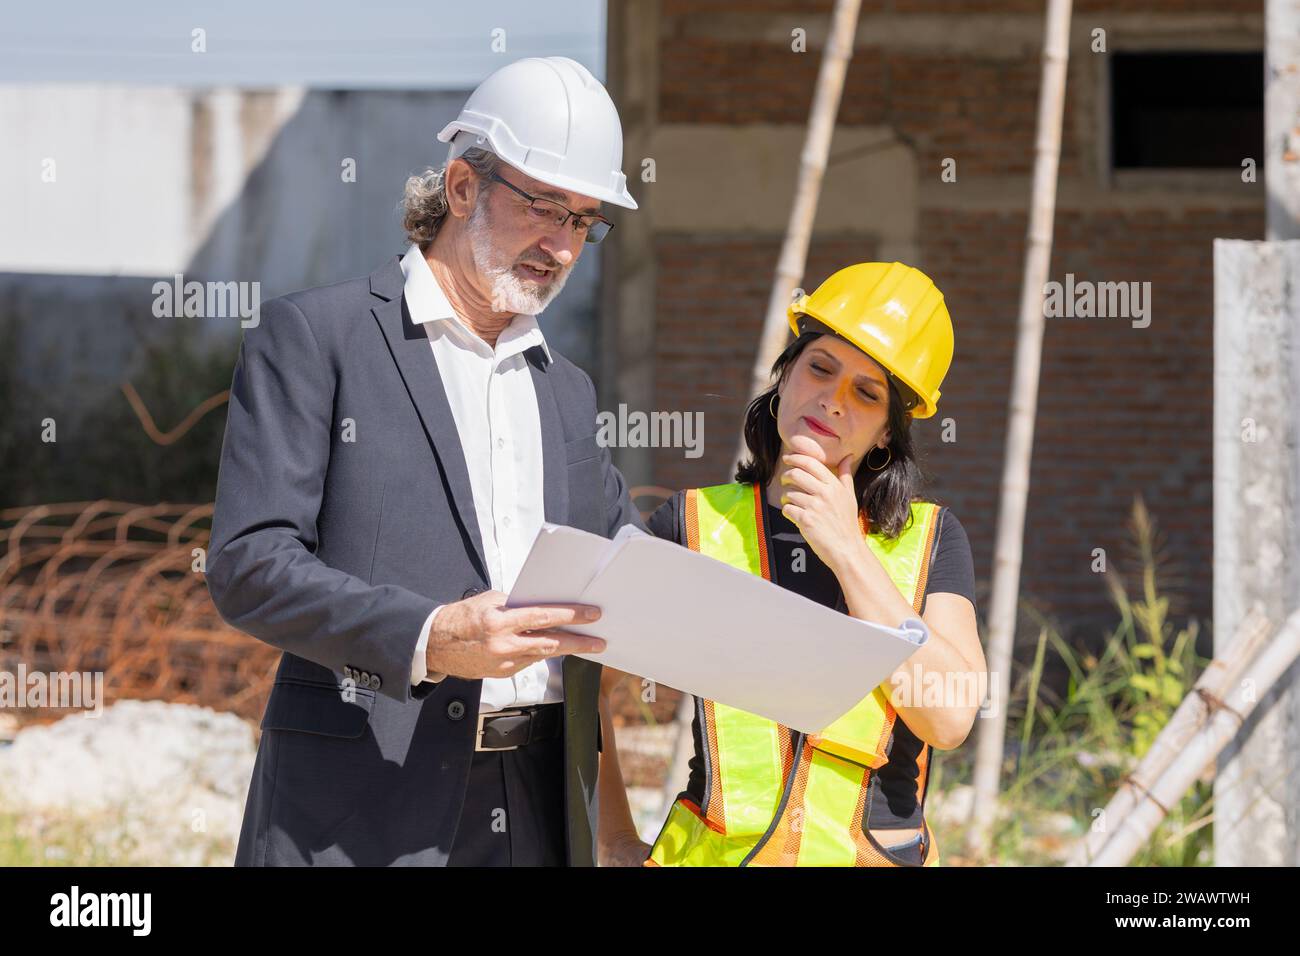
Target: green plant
{"points": [[1078, 733]]}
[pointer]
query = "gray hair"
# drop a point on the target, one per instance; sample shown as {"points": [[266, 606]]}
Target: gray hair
{"points": [[424, 201]]}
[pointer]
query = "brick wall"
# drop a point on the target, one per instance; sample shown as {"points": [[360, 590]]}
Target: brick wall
{"points": [[1122, 411], [941, 103]]}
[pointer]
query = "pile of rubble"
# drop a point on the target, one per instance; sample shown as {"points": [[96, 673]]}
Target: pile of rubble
{"points": [[146, 782]]}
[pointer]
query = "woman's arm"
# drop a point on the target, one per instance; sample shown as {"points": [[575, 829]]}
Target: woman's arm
{"points": [[824, 505], [952, 659], [617, 842]]}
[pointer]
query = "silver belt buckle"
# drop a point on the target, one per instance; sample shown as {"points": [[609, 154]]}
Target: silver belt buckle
{"points": [[478, 736]]}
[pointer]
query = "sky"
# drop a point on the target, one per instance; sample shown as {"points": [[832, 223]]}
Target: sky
{"points": [[341, 44]]}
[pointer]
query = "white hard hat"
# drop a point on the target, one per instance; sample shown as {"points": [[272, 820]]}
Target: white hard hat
{"points": [[550, 118]]}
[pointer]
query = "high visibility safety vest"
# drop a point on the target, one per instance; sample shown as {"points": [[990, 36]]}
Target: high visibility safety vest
{"points": [[774, 796]]}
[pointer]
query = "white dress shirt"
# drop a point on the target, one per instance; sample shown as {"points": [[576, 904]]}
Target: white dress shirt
{"points": [[495, 407]]}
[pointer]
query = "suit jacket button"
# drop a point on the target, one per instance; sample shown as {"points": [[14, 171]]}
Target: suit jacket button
{"points": [[456, 709], [364, 679], [374, 682]]}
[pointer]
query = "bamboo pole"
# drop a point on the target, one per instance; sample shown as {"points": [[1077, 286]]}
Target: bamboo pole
{"points": [[1191, 715], [1136, 827], [1020, 422]]}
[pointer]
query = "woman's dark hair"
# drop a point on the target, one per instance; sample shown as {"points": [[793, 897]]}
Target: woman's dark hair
{"points": [[887, 494]]}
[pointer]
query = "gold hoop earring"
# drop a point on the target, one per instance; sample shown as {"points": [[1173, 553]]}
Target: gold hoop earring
{"points": [[889, 456], [769, 405]]}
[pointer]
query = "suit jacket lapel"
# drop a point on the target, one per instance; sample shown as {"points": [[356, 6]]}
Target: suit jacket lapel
{"points": [[409, 345], [555, 471]]}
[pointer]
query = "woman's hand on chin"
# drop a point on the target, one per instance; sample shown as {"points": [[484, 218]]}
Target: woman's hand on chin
{"points": [[822, 502]]}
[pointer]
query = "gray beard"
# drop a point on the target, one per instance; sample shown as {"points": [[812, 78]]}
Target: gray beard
{"points": [[509, 292]]}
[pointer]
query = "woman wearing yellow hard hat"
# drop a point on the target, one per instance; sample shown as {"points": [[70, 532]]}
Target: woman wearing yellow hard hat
{"points": [[829, 505]]}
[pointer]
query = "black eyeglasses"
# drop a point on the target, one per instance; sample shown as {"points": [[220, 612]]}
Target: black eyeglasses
{"points": [[593, 227]]}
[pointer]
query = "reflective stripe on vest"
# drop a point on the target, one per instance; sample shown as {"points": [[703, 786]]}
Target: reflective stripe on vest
{"points": [[765, 804]]}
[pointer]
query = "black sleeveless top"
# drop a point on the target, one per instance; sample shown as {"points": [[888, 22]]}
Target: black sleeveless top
{"points": [[895, 800]]}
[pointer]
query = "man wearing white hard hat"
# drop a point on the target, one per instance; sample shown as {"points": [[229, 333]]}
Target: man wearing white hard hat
{"points": [[394, 444]]}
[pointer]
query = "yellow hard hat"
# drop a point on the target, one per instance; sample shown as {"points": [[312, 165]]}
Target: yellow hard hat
{"points": [[895, 314]]}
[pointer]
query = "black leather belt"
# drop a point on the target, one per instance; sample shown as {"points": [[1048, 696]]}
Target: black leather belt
{"points": [[518, 726]]}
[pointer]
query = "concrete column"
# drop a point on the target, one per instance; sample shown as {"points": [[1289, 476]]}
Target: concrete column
{"points": [[627, 320], [1257, 534]]}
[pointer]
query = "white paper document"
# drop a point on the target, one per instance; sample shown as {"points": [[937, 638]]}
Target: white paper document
{"points": [[688, 621]]}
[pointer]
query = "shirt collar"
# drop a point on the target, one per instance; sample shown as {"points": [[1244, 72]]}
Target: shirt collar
{"points": [[428, 303]]}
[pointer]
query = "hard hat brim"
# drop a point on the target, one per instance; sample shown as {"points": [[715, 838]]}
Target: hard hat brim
{"points": [[924, 408], [448, 135]]}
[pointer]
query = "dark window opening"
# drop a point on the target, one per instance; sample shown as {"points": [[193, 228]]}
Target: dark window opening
{"points": [[1186, 110]]}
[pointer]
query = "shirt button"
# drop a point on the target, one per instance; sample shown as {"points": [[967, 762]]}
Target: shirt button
{"points": [[501, 443], [506, 521]]}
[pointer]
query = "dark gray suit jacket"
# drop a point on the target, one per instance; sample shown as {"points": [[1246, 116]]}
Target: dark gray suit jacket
{"points": [[343, 516]]}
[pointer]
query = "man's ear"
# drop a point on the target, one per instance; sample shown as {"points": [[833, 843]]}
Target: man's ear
{"points": [[462, 188]]}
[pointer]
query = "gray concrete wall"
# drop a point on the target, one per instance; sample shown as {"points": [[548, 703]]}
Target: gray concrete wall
{"points": [[109, 189]]}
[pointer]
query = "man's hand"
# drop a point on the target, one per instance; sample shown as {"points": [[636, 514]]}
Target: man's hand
{"points": [[481, 637]]}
